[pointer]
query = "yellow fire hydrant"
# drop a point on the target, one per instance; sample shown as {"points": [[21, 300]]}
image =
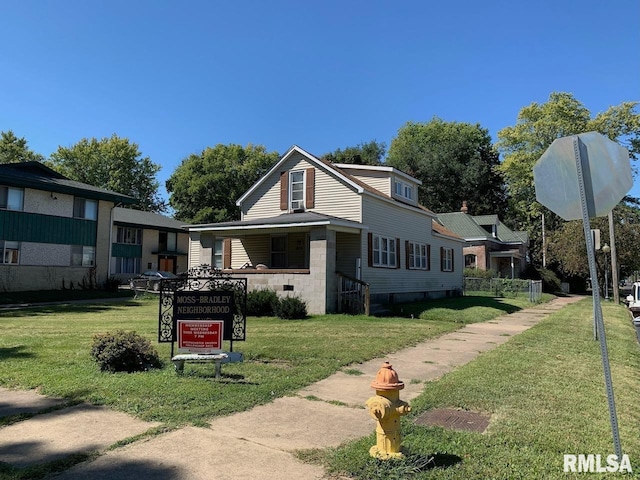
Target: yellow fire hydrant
{"points": [[386, 407]]}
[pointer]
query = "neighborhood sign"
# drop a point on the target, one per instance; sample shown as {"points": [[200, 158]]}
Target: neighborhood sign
{"points": [[201, 318], [200, 336]]}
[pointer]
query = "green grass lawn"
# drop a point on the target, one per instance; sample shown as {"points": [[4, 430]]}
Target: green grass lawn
{"points": [[545, 391], [48, 348], [544, 388]]}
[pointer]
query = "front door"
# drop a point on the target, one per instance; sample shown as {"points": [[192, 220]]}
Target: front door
{"points": [[167, 264]]}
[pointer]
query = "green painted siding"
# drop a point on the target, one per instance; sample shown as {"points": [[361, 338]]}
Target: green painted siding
{"points": [[122, 250], [34, 227]]}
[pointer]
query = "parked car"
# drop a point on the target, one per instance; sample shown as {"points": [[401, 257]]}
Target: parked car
{"points": [[151, 279]]}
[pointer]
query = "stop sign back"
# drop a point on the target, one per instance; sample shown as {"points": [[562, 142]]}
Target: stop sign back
{"points": [[606, 171]]}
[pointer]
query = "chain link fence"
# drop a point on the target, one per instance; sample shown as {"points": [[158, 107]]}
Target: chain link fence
{"points": [[503, 287]]}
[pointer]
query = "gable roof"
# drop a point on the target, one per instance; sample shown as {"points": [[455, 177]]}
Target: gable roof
{"points": [[464, 225], [444, 231], [333, 170], [470, 227], [40, 177], [312, 159]]}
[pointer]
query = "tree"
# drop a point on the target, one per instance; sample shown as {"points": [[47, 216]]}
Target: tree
{"points": [[15, 150], [204, 188], [537, 127], [371, 153], [455, 161], [115, 164], [567, 247]]}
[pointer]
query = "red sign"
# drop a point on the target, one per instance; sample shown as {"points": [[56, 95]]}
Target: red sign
{"points": [[200, 336]]}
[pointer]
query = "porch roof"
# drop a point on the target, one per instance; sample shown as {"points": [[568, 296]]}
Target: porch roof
{"points": [[286, 220]]}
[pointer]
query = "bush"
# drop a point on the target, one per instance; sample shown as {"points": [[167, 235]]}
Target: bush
{"points": [[550, 281], [478, 273], [262, 303], [291, 308], [111, 284], [124, 352]]}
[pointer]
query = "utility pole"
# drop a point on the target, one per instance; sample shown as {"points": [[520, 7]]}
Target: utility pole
{"points": [[614, 262]]}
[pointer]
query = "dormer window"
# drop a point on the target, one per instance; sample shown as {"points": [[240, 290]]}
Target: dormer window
{"points": [[404, 190], [296, 190]]}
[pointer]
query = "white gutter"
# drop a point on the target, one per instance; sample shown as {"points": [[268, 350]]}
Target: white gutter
{"points": [[265, 226]]}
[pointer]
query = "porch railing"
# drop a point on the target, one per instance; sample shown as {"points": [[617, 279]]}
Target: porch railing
{"points": [[353, 295]]}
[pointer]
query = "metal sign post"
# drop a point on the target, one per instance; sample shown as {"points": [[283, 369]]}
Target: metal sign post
{"points": [[603, 173], [580, 151]]}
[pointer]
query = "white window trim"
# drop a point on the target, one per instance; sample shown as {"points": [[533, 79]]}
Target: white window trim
{"points": [[418, 261], [447, 260], [125, 235], [391, 255], [215, 255], [304, 190], [404, 187]]}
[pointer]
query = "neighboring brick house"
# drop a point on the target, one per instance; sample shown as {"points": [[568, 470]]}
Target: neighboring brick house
{"points": [[307, 224], [54, 232], [147, 241], [489, 243]]}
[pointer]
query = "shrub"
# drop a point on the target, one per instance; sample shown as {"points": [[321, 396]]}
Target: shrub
{"points": [[550, 281], [262, 303], [478, 273], [291, 308], [124, 352], [111, 284]]}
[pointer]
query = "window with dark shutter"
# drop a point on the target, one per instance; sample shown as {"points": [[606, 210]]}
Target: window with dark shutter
{"points": [[226, 253], [284, 191], [310, 199]]}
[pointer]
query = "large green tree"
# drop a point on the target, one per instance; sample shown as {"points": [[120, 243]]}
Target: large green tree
{"points": [[15, 150], [538, 125], [370, 153], [204, 188], [455, 161], [113, 163], [567, 248]]}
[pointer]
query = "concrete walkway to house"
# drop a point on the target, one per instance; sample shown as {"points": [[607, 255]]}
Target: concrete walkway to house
{"points": [[256, 444]]}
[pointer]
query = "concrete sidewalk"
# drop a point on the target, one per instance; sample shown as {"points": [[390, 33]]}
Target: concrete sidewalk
{"points": [[256, 444]]}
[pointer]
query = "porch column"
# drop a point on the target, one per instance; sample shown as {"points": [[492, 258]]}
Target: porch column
{"points": [[322, 296]]}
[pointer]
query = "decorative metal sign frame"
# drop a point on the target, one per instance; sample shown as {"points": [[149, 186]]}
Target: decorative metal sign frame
{"points": [[201, 279]]}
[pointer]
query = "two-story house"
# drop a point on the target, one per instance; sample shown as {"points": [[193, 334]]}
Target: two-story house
{"points": [[147, 241], [54, 232], [307, 224], [489, 243]]}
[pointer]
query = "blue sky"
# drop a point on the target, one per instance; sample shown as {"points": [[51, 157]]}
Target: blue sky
{"points": [[176, 77]]}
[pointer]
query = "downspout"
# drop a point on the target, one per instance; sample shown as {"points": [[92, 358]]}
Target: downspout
{"points": [[111, 238]]}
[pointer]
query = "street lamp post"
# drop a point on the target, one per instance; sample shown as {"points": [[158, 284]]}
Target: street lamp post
{"points": [[606, 249]]}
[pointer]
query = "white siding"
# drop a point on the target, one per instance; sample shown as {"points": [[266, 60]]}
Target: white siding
{"points": [[406, 224], [195, 249], [378, 180], [332, 197]]}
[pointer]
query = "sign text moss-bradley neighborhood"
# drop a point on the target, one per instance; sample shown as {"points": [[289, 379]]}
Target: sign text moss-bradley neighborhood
{"points": [[202, 303], [205, 305]]}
